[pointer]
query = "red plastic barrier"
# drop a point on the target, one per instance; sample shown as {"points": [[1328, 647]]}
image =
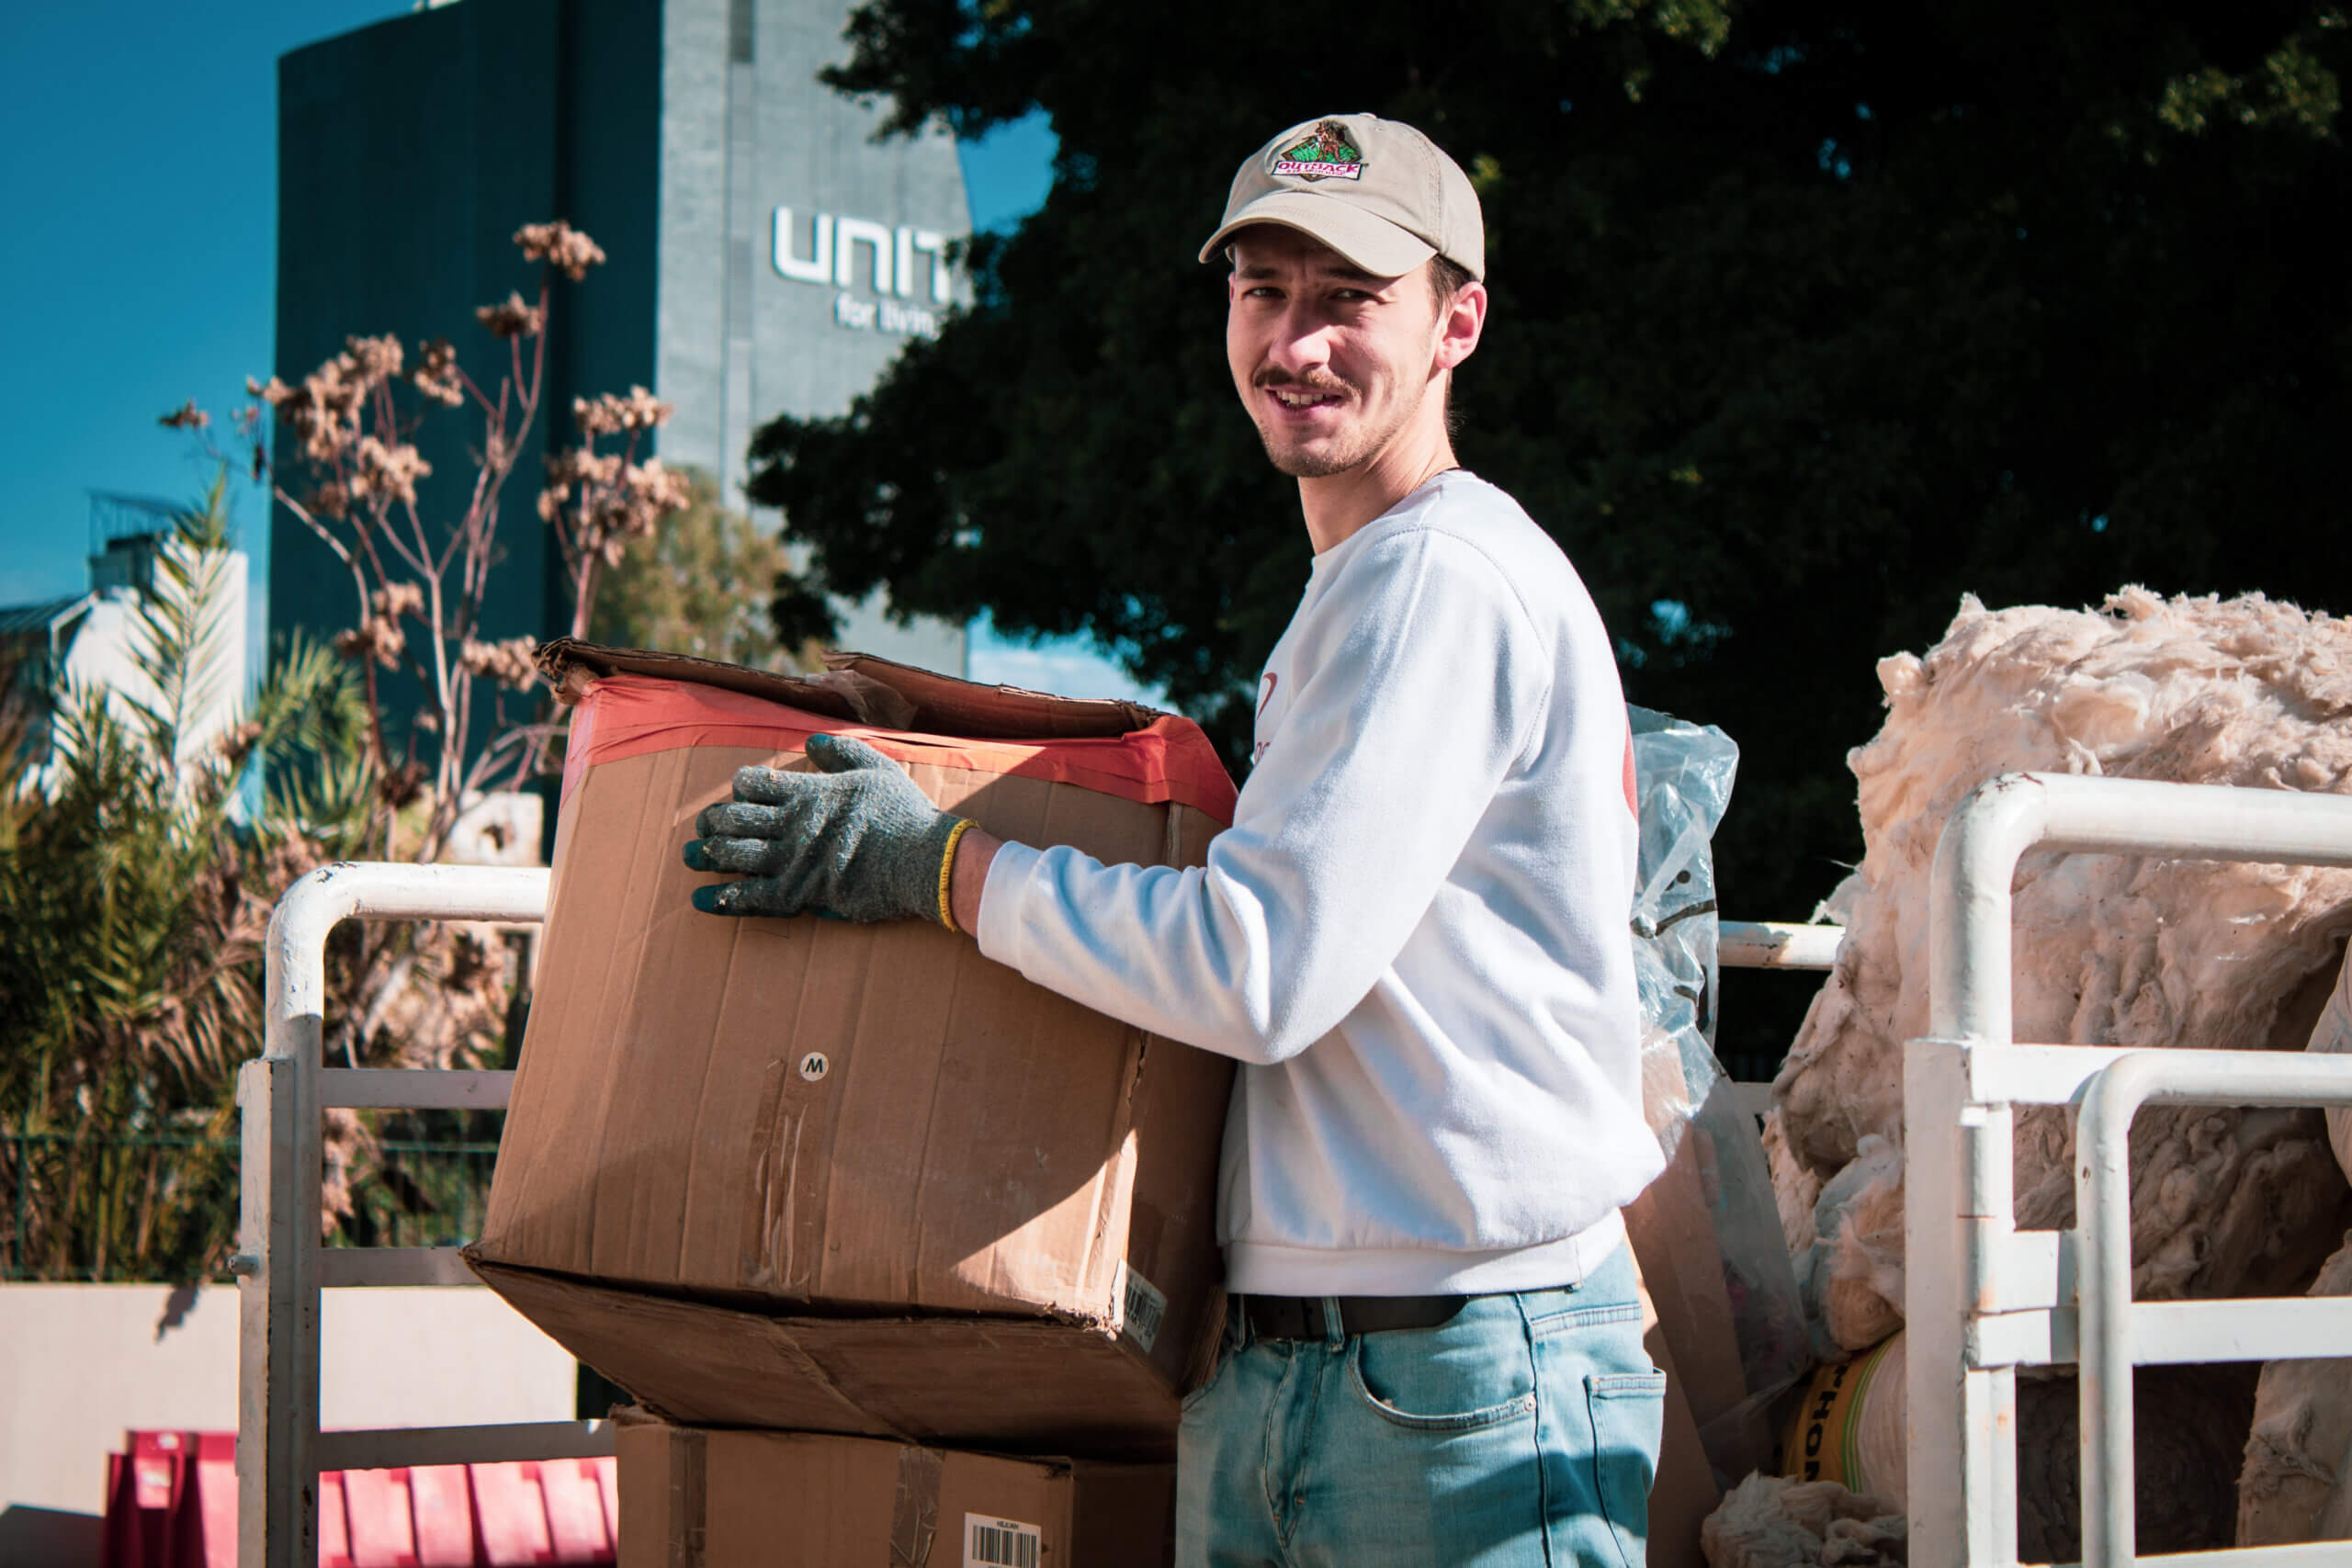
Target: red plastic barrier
{"points": [[441, 1501], [377, 1528], [205, 1528], [172, 1502], [575, 1510], [508, 1530]]}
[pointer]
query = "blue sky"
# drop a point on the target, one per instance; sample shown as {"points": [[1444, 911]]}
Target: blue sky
{"points": [[138, 159]]}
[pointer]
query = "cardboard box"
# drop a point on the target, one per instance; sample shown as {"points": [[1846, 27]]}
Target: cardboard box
{"points": [[698, 1499], [815, 1176], [1683, 1490], [1672, 1231]]}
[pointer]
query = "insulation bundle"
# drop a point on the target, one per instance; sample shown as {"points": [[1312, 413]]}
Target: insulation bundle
{"points": [[2187, 1427], [1842, 1504], [2111, 950], [1849, 1425], [2333, 1036], [1771, 1521], [2296, 1484]]}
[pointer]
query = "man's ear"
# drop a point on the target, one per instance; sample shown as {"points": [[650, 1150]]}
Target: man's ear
{"points": [[1459, 325]]}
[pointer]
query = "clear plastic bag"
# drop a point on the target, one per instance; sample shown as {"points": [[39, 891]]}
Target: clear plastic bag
{"points": [[1683, 775]]}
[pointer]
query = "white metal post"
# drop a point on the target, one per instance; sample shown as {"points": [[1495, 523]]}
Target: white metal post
{"points": [[280, 1096], [2103, 1272], [1959, 1413], [1944, 1519], [2103, 1246], [278, 1314], [1956, 1212]]}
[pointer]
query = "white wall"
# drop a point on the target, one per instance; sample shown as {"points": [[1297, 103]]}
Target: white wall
{"points": [[79, 1364]]}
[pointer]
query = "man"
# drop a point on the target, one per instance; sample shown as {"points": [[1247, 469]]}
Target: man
{"points": [[1413, 938]]}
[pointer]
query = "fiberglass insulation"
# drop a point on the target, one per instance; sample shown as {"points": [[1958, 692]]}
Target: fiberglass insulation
{"points": [[2187, 1428], [1770, 1521], [2299, 1456], [2111, 950]]}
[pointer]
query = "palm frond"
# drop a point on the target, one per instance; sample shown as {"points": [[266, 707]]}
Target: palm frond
{"points": [[179, 634]]}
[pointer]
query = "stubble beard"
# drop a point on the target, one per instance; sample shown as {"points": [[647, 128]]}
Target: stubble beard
{"points": [[1304, 464], [1353, 449]]}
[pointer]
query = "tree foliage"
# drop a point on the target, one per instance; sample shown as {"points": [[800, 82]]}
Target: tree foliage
{"points": [[346, 466], [136, 900], [139, 861], [1808, 316], [698, 584]]}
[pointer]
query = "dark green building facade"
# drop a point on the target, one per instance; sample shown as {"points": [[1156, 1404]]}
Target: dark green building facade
{"points": [[764, 255]]}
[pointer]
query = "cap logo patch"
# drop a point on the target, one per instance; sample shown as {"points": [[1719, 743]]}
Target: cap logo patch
{"points": [[1326, 154]]}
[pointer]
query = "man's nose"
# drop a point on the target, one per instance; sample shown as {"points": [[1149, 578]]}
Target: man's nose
{"points": [[1301, 340]]}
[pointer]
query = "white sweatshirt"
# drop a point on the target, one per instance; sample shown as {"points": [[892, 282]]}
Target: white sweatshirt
{"points": [[1414, 935]]}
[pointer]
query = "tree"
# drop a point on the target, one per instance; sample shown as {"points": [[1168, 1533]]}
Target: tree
{"points": [[1807, 318], [140, 862], [136, 900], [697, 585], [419, 576]]}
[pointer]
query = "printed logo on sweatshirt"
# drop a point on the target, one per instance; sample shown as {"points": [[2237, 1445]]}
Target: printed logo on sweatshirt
{"points": [[1326, 154]]}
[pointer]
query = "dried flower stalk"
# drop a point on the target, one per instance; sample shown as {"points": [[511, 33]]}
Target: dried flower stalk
{"points": [[418, 589]]}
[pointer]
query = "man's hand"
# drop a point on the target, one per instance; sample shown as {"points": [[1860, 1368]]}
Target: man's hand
{"points": [[856, 840]]}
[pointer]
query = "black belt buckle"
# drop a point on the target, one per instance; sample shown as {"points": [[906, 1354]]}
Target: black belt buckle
{"points": [[1284, 1317], [1301, 1317]]}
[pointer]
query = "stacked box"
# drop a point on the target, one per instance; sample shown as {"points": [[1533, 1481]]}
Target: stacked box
{"points": [[813, 1177], [693, 1496]]}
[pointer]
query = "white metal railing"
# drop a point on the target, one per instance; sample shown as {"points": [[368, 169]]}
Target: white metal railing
{"points": [[282, 1265], [1744, 944], [1770, 944], [1982, 1298]]}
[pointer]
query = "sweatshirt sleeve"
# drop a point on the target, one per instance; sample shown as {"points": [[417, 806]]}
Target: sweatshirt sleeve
{"points": [[1421, 678]]}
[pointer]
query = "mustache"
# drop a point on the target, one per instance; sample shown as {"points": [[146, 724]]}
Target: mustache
{"points": [[1270, 379]]}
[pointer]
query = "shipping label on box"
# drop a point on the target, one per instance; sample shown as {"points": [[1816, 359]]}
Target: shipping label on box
{"points": [[992, 1543]]}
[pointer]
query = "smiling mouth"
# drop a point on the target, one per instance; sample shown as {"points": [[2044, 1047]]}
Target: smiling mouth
{"points": [[1301, 400]]}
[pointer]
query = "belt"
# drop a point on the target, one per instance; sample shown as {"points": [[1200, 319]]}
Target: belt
{"points": [[1301, 1317]]}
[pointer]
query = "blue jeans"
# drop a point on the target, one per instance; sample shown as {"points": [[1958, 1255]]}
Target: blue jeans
{"points": [[1523, 1433]]}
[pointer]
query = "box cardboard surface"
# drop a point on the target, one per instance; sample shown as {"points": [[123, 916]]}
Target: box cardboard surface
{"points": [[1683, 1490], [698, 1498], [815, 1175]]}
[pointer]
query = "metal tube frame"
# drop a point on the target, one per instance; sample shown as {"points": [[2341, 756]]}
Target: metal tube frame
{"points": [[282, 1265], [1982, 1298]]}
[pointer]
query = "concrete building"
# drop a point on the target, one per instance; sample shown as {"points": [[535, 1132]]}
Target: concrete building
{"points": [[766, 256]]}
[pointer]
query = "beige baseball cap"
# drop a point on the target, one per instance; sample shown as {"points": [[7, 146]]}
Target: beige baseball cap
{"points": [[1375, 190]]}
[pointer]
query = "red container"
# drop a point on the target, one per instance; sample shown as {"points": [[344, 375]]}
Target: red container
{"points": [[172, 1502]]}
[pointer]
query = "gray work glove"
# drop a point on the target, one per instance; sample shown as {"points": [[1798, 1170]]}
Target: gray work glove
{"points": [[856, 840]]}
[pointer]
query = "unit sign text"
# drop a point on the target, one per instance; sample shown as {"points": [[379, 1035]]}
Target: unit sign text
{"points": [[894, 259]]}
